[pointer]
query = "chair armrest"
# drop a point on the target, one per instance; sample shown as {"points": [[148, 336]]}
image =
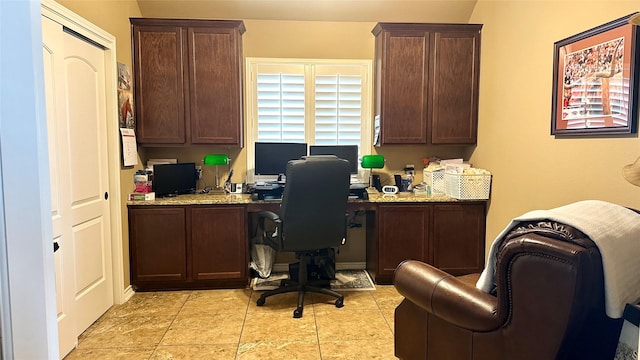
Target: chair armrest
{"points": [[446, 297], [271, 238], [269, 215]]}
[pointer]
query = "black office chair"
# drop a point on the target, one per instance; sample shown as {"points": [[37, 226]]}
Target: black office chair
{"points": [[312, 223]]}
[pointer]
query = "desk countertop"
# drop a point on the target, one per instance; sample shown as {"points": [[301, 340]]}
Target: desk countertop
{"points": [[235, 199]]}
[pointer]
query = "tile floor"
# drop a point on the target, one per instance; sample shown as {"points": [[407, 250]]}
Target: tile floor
{"points": [[227, 325]]}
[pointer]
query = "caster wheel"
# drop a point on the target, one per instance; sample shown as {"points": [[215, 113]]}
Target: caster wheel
{"points": [[297, 313], [260, 302], [339, 303]]}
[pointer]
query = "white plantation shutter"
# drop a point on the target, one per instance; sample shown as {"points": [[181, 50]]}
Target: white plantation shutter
{"points": [[281, 107], [338, 114], [320, 102]]}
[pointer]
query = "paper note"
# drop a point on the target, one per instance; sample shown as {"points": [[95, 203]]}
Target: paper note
{"points": [[129, 149], [376, 130]]}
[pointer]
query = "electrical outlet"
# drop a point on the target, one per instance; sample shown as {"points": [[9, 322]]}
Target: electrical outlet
{"points": [[199, 172]]}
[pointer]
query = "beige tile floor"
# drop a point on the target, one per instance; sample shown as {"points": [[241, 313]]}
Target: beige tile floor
{"points": [[227, 325]]}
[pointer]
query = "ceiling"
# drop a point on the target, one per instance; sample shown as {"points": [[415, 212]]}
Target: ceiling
{"points": [[446, 11]]}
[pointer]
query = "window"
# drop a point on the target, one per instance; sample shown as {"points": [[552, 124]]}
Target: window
{"points": [[320, 102]]}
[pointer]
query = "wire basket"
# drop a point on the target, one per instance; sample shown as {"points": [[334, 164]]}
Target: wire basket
{"points": [[435, 180], [468, 186]]}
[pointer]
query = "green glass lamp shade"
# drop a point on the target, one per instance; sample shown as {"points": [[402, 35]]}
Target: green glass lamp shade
{"points": [[216, 159], [372, 162]]}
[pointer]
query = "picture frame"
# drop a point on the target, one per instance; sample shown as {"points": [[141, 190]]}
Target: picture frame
{"points": [[595, 81]]}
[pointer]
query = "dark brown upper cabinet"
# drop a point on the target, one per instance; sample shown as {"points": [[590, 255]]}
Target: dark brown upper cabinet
{"points": [[188, 81], [426, 82]]}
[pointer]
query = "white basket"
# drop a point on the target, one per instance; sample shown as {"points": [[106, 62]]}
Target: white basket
{"points": [[467, 186], [435, 180]]}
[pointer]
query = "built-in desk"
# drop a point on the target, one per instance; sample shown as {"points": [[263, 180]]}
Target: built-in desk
{"points": [[202, 241]]}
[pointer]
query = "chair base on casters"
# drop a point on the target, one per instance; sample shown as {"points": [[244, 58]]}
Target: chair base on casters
{"points": [[302, 286]]}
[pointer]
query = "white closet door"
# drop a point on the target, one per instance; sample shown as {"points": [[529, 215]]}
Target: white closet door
{"points": [[87, 176], [76, 118]]}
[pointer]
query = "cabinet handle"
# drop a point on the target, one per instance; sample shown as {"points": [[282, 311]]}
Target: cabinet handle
{"points": [[106, 195]]}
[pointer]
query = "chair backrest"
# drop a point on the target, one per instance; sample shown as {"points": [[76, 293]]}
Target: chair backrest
{"points": [[314, 203], [550, 283]]}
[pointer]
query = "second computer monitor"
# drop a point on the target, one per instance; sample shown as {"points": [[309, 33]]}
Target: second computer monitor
{"points": [[174, 179], [272, 158], [347, 152]]}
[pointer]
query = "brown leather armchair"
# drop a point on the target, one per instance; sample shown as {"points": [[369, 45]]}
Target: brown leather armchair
{"points": [[548, 303]]}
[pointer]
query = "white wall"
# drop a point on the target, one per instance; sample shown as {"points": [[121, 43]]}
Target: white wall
{"points": [[531, 168]]}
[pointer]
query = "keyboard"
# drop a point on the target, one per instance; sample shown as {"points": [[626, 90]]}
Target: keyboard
{"points": [[272, 198], [266, 186]]}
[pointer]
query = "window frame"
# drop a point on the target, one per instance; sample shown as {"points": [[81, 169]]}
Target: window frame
{"points": [[309, 66]]}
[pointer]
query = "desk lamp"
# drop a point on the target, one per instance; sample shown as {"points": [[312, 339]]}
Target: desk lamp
{"points": [[216, 160], [372, 162]]}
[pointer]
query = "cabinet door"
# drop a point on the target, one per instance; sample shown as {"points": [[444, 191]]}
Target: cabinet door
{"points": [[215, 79], [455, 87], [402, 76], [403, 234], [157, 238], [458, 238], [159, 83], [219, 243]]}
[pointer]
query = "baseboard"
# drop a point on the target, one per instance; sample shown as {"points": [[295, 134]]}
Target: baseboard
{"points": [[282, 267], [127, 294], [351, 266]]}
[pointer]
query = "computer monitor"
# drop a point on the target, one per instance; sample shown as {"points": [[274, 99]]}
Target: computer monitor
{"points": [[174, 179], [272, 158], [347, 152]]}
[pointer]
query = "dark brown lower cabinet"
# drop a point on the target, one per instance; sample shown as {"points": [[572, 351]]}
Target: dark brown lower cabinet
{"points": [[186, 247], [157, 244], [219, 243], [404, 234], [450, 236], [458, 238]]}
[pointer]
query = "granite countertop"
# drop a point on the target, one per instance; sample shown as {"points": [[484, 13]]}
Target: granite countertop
{"points": [[234, 199], [409, 197], [198, 199]]}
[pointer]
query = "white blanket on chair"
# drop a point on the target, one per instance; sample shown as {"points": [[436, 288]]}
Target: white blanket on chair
{"points": [[616, 232]]}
